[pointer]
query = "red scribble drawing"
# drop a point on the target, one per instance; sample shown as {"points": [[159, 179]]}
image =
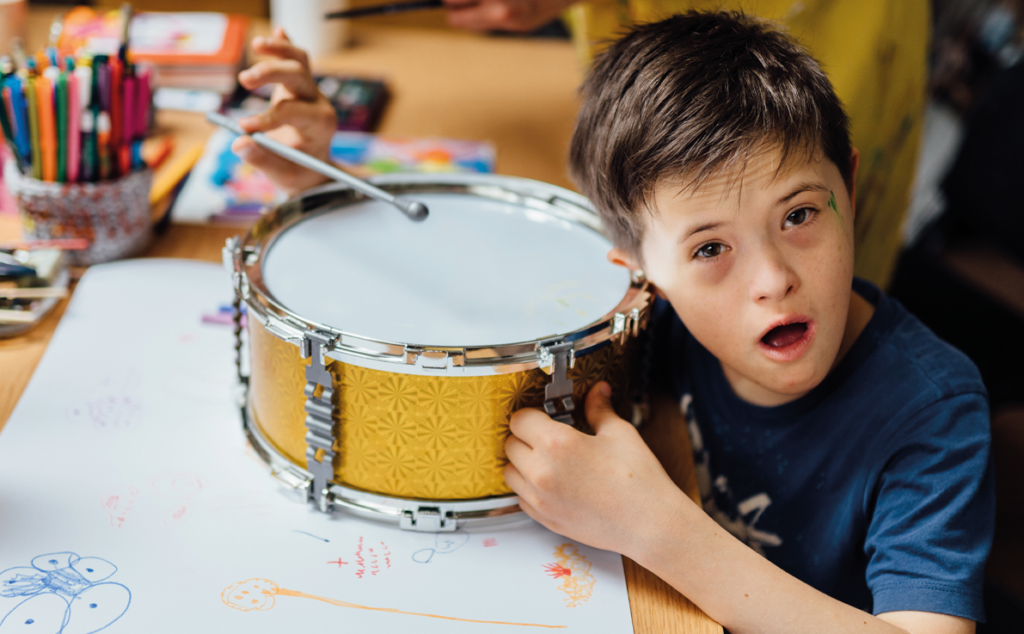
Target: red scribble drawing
{"points": [[557, 571], [180, 488], [118, 503], [261, 594], [339, 562], [360, 562], [490, 542], [574, 571], [371, 558]]}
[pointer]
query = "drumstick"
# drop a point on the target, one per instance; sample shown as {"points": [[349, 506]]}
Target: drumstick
{"points": [[33, 293], [381, 9], [412, 208]]}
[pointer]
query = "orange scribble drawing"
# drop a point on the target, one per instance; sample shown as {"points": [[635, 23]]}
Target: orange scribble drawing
{"points": [[574, 571], [261, 594]]}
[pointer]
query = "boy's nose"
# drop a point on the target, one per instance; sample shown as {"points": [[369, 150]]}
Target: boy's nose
{"points": [[772, 278]]}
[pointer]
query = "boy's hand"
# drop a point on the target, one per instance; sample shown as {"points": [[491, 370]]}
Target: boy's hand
{"points": [[503, 15], [299, 115], [603, 490]]}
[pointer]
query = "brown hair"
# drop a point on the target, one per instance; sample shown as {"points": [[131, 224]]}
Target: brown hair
{"points": [[690, 96]]}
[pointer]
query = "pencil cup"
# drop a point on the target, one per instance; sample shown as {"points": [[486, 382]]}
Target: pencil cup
{"points": [[114, 216]]}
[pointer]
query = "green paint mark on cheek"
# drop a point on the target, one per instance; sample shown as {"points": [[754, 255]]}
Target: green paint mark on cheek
{"points": [[839, 216], [832, 203]]}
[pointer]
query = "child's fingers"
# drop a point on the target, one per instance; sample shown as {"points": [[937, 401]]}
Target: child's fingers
{"points": [[516, 481], [518, 452], [532, 425], [301, 115], [280, 48], [600, 413], [289, 73], [261, 159]]}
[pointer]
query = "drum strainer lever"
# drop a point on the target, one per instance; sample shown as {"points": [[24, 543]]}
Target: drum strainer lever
{"points": [[412, 208]]}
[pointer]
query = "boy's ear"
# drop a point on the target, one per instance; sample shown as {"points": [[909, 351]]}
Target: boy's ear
{"points": [[854, 162], [621, 257]]}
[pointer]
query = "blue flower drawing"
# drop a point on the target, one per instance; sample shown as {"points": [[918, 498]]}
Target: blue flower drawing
{"points": [[66, 594]]}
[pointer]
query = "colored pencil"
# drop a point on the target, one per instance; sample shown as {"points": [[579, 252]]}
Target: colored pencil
{"points": [[74, 138], [47, 128]]}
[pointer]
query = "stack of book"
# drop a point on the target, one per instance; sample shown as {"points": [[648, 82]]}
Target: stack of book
{"points": [[194, 51]]}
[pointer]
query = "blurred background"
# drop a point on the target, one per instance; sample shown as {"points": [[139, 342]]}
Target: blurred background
{"points": [[960, 263]]}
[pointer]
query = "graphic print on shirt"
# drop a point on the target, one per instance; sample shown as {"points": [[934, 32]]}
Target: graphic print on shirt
{"points": [[716, 496]]}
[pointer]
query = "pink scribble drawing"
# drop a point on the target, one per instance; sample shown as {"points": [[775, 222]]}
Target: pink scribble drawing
{"points": [[339, 562], [179, 488], [113, 406], [118, 503], [386, 553], [108, 412], [490, 542]]}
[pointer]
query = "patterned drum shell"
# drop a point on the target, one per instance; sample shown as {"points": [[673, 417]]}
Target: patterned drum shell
{"points": [[424, 437]]}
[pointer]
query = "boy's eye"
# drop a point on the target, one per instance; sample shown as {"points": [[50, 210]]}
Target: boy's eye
{"points": [[710, 250], [799, 217]]}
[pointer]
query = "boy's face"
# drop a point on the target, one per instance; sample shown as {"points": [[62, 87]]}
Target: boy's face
{"points": [[759, 267]]}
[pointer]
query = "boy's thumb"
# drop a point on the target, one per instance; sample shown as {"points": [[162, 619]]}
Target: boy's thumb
{"points": [[599, 407]]}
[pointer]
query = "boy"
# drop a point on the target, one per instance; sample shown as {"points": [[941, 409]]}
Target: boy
{"points": [[842, 449]]}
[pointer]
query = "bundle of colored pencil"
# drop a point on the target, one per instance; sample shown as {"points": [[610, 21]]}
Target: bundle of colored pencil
{"points": [[75, 119]]}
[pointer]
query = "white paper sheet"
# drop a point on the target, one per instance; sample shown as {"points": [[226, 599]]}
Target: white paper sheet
{"points": [[129, 502]]}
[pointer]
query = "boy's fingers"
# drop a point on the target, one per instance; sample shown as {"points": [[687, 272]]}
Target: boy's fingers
{"points": [[516, 481], [289, 73], [600, 413], [518, 452], [528, 424]]}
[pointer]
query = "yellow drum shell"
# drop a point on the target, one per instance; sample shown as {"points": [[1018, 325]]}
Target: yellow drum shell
{"points": [[428, 437]]}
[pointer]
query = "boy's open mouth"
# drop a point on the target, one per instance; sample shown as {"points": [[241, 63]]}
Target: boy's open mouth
{"points": [[787, 335]]}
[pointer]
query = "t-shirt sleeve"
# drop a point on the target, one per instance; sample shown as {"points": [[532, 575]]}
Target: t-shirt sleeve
{"points": [[933, 514]]}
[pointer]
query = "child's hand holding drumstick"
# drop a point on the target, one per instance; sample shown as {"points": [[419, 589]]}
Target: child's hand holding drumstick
{"points": [[299, 115]]}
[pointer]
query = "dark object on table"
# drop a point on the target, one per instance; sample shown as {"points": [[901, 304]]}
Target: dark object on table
{"points": [[358, 102], [384, 9]]}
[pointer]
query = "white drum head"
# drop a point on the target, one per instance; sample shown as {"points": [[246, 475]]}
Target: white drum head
{"points": [[477, 272]]}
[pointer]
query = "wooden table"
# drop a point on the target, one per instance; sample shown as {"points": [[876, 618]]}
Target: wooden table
{"points": [[517, 93]]}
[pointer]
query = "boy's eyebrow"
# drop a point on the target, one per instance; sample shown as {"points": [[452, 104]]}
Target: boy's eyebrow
{"points": [[801, 188], [708, 226]]}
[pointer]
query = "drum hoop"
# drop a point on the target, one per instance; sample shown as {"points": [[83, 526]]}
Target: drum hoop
{"points": [[374, 505], [246, 259]]}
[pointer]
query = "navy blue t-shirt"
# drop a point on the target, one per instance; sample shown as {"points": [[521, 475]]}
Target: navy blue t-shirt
{"points": [[876, 487]]}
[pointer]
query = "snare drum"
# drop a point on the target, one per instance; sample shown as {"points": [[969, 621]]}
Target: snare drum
{"points": [[386, 356]]}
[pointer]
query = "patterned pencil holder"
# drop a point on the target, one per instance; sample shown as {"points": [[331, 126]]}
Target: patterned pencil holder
{"points": [[114, 216]]}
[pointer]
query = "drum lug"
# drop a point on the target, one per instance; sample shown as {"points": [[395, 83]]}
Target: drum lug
{"points": [[427, 519], [229, 254], [626, 324], [319, 418], [434, 359], [560, 356]]}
